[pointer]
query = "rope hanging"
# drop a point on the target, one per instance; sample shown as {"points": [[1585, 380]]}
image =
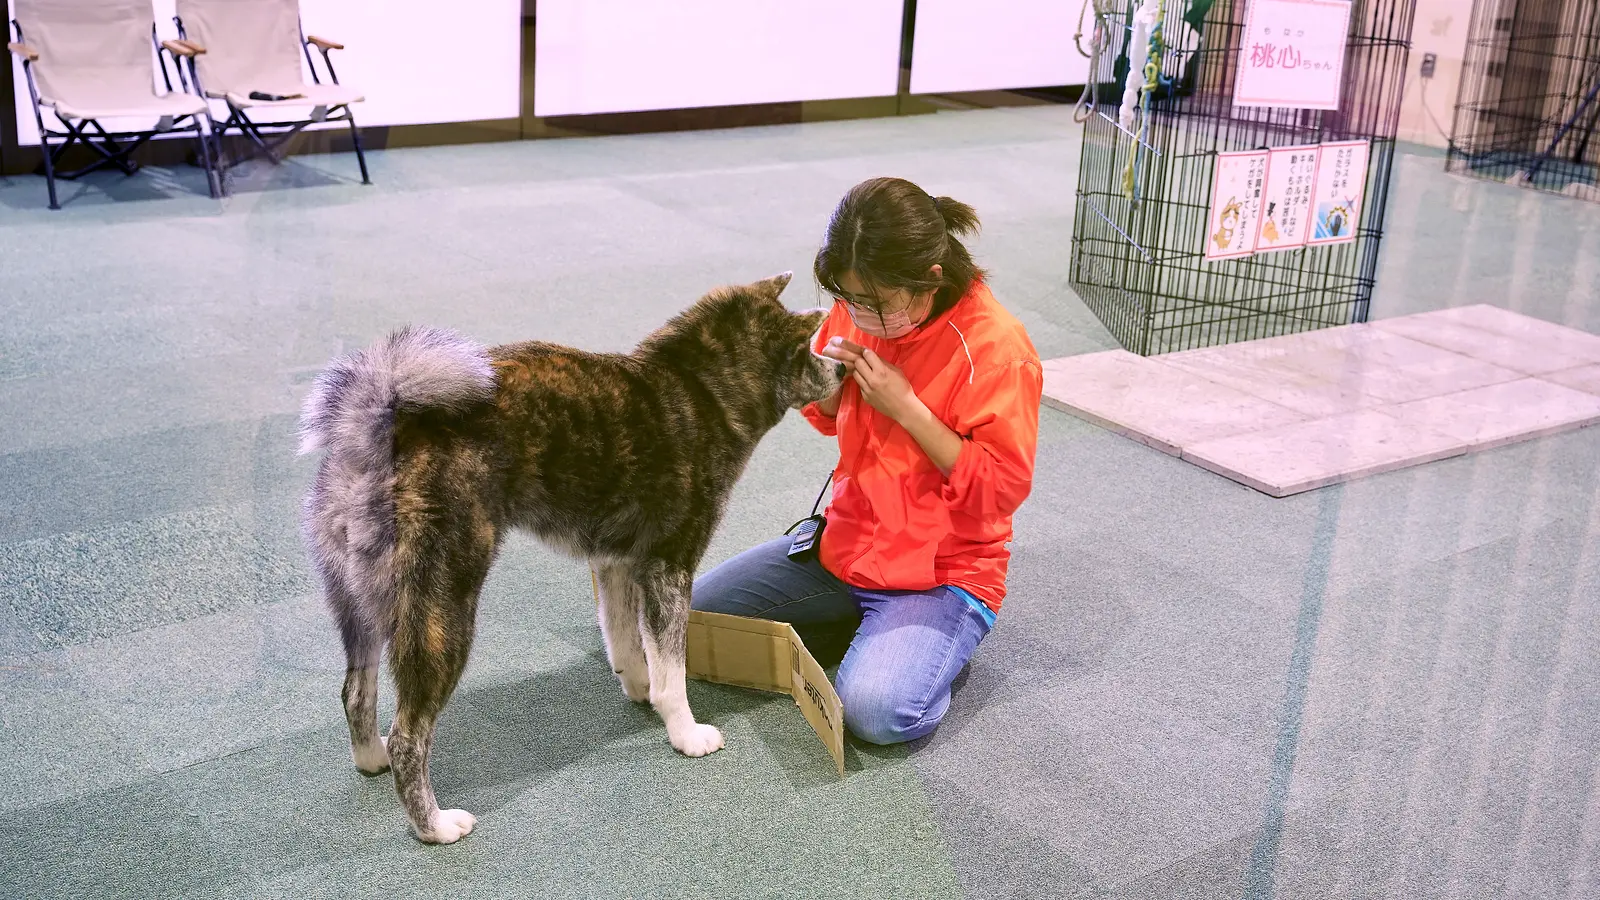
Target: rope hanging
{"points": [[1089, 100], [1145, 49]]}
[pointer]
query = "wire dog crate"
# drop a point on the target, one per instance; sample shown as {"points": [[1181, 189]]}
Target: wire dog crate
{"points": [[1140, 263], [1530, 96]]}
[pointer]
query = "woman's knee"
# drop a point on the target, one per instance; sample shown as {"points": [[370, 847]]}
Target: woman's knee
{"points": [[879, 711]]}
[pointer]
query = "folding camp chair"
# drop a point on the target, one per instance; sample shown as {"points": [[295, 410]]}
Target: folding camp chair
{"points": [[87, 60], [249, 57]]}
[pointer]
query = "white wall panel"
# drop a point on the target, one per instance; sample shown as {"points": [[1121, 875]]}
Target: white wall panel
{"points": [[417, 62], [1441, 28], [601, 56], [996, 45]]}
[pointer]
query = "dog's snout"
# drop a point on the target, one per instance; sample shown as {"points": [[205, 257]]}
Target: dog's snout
{"points": [[839, 371]]}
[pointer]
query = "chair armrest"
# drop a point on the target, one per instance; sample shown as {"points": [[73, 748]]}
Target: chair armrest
{"points": [[323, 44], [183, 48], [24, 51]]}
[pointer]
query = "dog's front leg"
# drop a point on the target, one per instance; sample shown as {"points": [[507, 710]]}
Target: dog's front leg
{"points": [[664, 626]]}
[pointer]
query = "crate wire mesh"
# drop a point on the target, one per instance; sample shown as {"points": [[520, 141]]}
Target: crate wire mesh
{"points": [[1140, 266], [1529, 98]]}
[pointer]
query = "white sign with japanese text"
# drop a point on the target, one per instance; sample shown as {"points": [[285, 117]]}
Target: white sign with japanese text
{"points": [[1286, 202], [1340, 189], [1236, 186], [1292, 54]]}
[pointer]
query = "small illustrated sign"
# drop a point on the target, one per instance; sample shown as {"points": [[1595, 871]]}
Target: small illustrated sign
{"points": [[1236, 187], [1292, 54], [1340, 190], [1286, 203]]}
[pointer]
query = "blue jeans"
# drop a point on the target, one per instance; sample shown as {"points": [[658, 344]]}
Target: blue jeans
{"points": [[910, 645]]}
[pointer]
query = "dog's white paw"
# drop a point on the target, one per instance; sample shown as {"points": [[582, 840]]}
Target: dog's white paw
{"points": [[698, 740], [372, 759], [635, 686], [448, 826]]}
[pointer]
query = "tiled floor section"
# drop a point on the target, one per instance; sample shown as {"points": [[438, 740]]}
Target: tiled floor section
{"points": [[1295, 413]]}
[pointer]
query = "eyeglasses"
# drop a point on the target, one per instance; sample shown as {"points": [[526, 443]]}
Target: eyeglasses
{"points": [[868, 304]]}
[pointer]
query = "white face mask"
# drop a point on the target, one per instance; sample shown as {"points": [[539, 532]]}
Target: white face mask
{"points": [[888, 326]]}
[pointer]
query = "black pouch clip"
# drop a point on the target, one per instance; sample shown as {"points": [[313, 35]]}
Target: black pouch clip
{"points": [[807, 532]]}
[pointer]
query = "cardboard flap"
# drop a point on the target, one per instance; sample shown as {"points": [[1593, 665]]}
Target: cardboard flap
{"points": [[818, 701], [751, 653], [765, 656]]}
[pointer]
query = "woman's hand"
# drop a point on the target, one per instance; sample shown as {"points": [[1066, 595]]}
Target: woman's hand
{"points": [[882, 384], [847, 352], [885, 387]]}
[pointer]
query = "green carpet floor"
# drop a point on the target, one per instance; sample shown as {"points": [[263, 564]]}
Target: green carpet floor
{"points": [[1385, 689]]}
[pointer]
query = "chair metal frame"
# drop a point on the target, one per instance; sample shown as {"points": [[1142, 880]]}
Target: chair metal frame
{"points": [[115, 148], [266, 138]]}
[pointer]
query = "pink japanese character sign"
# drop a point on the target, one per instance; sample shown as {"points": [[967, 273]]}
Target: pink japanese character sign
{"points": [[1236, 185], [1286, 204], [1292, 54], [1340, 190]]}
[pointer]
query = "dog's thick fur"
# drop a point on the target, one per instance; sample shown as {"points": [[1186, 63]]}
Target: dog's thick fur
{"points": [[435, 446]]}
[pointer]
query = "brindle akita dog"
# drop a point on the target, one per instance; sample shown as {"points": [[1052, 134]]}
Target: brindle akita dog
{"points": [[436, 446]]}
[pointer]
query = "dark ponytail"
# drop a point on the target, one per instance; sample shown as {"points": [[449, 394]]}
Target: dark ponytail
{"points": [[891, 233]]}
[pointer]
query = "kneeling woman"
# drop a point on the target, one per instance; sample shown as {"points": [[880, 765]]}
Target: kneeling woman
{"points": [[937, 427]]}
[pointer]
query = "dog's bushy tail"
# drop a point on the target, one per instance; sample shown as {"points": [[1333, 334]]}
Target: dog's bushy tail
{"points": [[349, 518], [351, 408]]}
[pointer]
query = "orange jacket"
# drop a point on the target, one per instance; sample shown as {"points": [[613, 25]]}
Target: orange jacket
{"points": [[895, 522]]}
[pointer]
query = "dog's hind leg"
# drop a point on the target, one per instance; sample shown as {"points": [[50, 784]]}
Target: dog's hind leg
{"points": [[664, 627], [619, 623], [362, 645], [432, 638]]}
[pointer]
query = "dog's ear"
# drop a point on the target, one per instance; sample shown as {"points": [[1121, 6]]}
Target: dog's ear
{"points": [[793, 348], [774, 286], [813, 318]]}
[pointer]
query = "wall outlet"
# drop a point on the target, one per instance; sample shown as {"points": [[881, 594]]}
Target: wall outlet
{"points": [[1429, 62]]}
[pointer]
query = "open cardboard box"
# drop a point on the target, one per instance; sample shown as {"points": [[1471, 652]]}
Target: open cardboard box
{"points": [[765, 656]]}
